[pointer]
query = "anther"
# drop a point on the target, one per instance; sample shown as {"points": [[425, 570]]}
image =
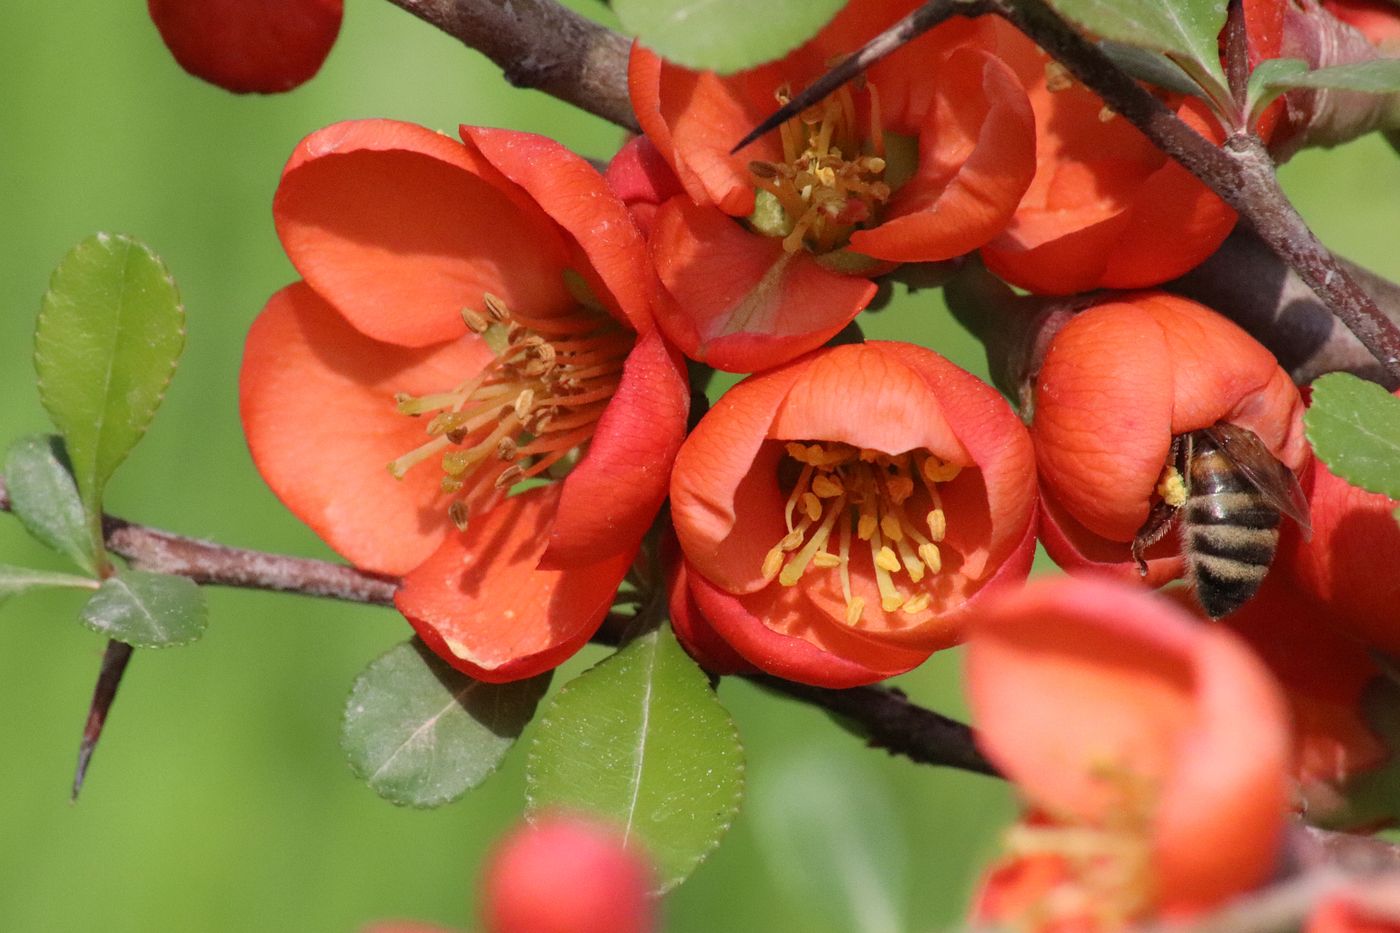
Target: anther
{"points": [[475, 321], [510, 476], [459, 514], [496, 308]]}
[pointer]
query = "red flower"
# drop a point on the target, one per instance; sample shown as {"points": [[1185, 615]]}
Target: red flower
{"points": [[1107, 208], [265, 46], [567, 874], [1118, 382], [1152, 750], [485, 306], [839, 514], [1326, 677], [924, 160], [1377, 20], [1349, 565], [1367, 907]]}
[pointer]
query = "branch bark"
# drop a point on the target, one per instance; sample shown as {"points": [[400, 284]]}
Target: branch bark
{"points": [[541, 45], [884, 716]]}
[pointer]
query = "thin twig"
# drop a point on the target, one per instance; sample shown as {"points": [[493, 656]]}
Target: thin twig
{"points": [[542, 45], [890, 721]]}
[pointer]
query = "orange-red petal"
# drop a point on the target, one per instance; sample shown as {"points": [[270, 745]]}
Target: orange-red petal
{"points": [[317, 402], [1087, 692], [779, 631], [737, 300], [976, 157], [263, 46], [483, 603], [400, 228], [614, 492], [579, 200]]}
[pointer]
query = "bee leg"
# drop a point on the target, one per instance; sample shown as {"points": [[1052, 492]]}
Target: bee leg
{"points": [[1159, 520]]}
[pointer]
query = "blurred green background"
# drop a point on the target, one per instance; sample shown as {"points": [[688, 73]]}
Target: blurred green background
{"points": [[219, 799]]}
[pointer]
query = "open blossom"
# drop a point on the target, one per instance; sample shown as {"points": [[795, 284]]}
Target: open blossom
{"points": [[1117, 384], [1106, 208], [769, 255], [1151, 750], [839, 514], [265, 46], [474, 316]]}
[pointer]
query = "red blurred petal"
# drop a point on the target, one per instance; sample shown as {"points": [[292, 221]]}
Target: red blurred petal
{"points": [[614, 492], [976, 157], [484, 605], [1220, 822], [737, 300], [266, 46], [316, 398], [1076, 681], [1349, 565], [400, 228], [577, 198]]}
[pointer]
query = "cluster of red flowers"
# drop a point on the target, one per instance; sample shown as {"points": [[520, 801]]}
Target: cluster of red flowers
{"points": [[500, 333]]}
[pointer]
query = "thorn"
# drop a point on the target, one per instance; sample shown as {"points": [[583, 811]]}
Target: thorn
{"points": [[918, 22], [109, 677]]}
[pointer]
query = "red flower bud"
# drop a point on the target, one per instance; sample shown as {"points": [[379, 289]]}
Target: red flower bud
{"points": [[1152, 750], [838, 515], [1117, 384], [566, 874], [265, 46]]}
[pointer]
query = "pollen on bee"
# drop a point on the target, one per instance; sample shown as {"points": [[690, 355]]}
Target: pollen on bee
{"points": [[1172, 487]]}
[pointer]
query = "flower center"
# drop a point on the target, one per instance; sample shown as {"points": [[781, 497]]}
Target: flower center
{"points": [[888, 501], [825, 187], [1109, 866], [526, 412]]}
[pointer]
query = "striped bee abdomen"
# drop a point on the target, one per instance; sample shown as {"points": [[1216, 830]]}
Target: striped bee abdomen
{"points": [[1229, 531]]}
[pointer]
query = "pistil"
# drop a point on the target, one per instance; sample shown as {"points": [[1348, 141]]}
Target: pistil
{"points": [[531, 408]]}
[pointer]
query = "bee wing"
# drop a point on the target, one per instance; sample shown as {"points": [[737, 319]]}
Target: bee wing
{"points": [[1274, 481]]}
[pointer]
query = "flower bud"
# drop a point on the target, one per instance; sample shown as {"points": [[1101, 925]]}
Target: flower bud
{"points": [[566, 874]]}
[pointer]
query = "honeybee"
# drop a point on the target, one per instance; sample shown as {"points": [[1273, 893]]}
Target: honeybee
{"points": [[1227, 496]]}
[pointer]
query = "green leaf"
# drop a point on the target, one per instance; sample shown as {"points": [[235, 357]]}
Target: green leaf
{"points": [[1379, 76], [1150, 66], [1354, 427], [1186, 30], [1268, 80], [1280, 75], [422, 733], [15, 580], [44, 498], [110, 331], [641, 740], [147, 610], [724, 35]]}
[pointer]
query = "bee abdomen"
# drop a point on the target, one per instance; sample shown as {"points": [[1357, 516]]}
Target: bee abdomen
{"points": [[1230, 543]]}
